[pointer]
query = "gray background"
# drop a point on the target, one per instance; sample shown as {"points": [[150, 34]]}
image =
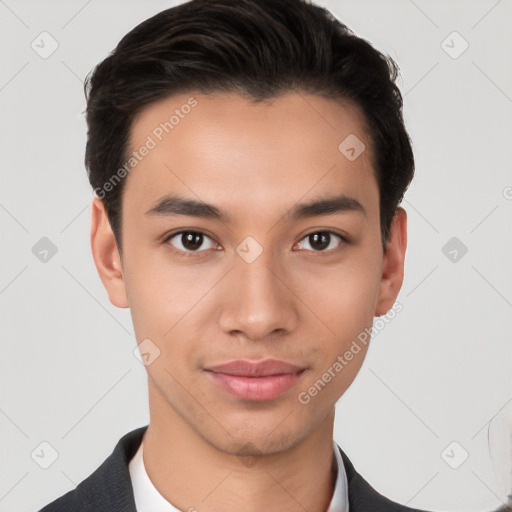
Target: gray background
{"points": [[439, 373]]}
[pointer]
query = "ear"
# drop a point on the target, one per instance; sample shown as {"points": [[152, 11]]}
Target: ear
{"points": [[106, 255], [393, 263]]}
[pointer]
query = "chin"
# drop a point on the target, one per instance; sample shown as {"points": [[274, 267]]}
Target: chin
{"points": [[257, 440]]}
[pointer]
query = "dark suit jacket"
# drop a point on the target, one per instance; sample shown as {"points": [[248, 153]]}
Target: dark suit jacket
{"points": [[109, 488]]}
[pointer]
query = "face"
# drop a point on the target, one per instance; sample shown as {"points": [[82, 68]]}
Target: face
{"points": [[249, 235]]}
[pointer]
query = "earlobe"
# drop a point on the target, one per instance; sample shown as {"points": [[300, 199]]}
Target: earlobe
{"points": [[106, 255], [393, 263]]}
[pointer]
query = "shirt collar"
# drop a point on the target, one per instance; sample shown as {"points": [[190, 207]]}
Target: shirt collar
{"points": [[148, 499]]}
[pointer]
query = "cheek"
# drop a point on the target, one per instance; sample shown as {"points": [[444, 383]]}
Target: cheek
{"points": [[149, 300], [160, 293], [168, 305], [341, 297]]}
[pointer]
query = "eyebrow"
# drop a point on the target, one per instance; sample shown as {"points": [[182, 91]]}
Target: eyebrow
{"points": [[173, 205]]}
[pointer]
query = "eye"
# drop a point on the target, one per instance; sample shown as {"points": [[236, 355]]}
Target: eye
{"points": [[190, 241], [322, 241]]}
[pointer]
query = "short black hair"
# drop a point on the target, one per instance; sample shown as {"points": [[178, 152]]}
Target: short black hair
{"points": [[259, 49]]}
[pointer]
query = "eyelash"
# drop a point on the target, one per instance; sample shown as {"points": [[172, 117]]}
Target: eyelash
{"points": [[180, 252]]}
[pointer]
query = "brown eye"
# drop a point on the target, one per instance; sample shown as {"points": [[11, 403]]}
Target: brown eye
{"points": [[321, 241], [190, 241]]}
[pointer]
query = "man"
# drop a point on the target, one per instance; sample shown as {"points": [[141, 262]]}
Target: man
{"points": [[248, 160]]}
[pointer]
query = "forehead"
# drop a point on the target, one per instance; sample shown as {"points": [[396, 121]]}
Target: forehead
{"points": [[223, 148]]}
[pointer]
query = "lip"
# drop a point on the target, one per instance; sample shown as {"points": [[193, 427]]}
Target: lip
{"points": [[246, 368], [258, 381]]}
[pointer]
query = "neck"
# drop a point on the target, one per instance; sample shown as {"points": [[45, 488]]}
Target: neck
{"points": [[193, 474]]}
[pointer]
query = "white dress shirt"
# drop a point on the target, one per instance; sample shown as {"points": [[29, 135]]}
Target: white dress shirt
{"points": [[148, 499]]}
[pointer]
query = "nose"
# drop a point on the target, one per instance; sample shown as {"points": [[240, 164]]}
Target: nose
{"points": [[259, 300]]}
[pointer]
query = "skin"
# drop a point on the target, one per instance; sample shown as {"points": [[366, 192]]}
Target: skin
{"points": [[294, 302]]}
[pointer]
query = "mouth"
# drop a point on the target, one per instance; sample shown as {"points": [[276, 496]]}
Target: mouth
{"points": [[255, 381]]}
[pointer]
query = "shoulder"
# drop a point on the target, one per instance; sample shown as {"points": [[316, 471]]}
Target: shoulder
{"points": [[109, 487], [363, 497], [507, 507]]}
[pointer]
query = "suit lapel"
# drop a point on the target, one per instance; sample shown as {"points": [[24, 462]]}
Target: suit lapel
{"points": [[363, 497], [109, 488]]}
